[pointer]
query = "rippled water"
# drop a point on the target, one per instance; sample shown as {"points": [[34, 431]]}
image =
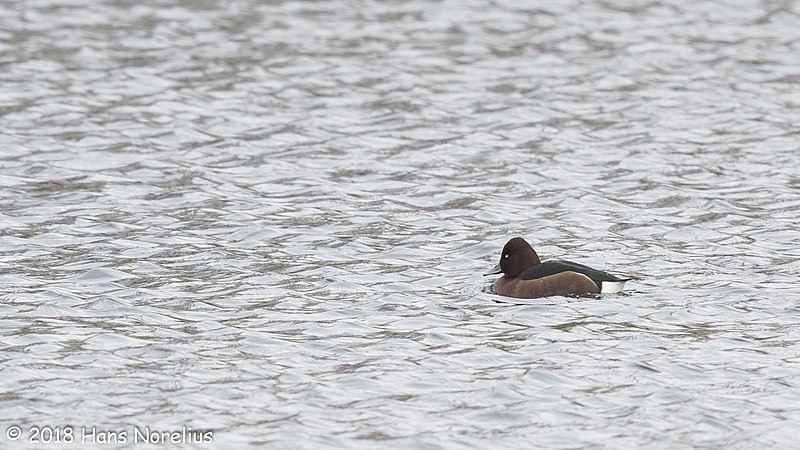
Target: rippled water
{"points": [[268, 220]]}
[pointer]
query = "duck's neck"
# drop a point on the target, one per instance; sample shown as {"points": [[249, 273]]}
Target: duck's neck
{"points": [[524, 261]]}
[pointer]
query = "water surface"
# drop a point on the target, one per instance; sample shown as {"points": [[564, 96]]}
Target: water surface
{"points": [[268, 220]]}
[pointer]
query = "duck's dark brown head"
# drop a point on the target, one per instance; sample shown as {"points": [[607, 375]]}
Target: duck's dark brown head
{"points": [[517, 257]]}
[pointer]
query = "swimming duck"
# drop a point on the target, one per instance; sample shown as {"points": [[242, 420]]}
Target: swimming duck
{"points": [[524, 276]]}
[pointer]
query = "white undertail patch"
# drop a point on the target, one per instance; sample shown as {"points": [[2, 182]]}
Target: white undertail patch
{"points": [[611, 287]]}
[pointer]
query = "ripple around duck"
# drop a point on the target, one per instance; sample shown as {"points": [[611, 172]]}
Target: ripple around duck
{"points": [[241, 218]]}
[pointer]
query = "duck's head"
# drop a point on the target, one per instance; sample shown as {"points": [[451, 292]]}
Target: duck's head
{"points": [[517, 257]]}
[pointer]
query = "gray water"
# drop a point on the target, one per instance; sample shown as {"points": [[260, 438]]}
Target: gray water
{"points": [[268, 221]]}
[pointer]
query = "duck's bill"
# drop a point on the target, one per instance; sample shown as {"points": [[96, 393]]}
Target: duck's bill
{"points": [[494, 270]]}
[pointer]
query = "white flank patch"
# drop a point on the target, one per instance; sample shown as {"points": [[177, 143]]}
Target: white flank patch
{"points": [[611, 287]]}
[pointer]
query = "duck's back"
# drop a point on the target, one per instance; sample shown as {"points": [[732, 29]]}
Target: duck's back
{"points": [[556, 266]]}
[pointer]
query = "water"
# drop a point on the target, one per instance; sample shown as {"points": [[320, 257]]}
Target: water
{"points": [[268, 220]]}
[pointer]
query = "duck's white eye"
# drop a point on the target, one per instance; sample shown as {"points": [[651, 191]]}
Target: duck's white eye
{"points": [[505, 256]]}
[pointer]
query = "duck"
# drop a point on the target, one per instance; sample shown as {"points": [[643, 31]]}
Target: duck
{"points": [[525, 276]]}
